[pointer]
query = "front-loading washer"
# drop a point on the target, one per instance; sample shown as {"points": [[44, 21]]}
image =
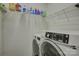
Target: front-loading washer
{"points": [[57, 44], [53, 48]]}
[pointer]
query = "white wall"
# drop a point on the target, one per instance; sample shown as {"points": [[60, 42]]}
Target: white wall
{"points": [[18, 31], [0, 33], [64, 18], [56, 7]]}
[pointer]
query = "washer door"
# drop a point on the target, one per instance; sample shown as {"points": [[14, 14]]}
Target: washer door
{"points": [[49, 48], [35, 48]]}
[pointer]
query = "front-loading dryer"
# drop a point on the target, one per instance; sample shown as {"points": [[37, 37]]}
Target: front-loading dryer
{"points": [[36, 44]]}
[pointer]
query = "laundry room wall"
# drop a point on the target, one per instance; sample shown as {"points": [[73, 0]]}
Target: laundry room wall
{"points": [[18, 31], [55, 7], [64, 18], [0, 33]]}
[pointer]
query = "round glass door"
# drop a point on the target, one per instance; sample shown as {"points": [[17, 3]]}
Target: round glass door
{"points": [[48, 49], [35, 48]]}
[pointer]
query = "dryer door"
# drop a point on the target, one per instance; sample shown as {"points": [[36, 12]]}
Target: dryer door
{"points": [[35, 48], [49, 48]]}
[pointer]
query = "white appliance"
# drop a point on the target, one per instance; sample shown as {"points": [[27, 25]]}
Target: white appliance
{"points": [[52, 48], [38, 38], [55, 44]]}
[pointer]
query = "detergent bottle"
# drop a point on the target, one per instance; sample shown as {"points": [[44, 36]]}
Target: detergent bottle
{"points": [[38, 12], [12, 6], [43, 13], [18, 6], [2, 7], [24, 8], [32, 11]]}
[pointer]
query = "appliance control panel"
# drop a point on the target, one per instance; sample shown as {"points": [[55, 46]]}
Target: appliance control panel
{"points": [[64, 38]]}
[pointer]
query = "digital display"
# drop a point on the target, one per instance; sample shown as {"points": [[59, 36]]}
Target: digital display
{"points": [[64, 38]]}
